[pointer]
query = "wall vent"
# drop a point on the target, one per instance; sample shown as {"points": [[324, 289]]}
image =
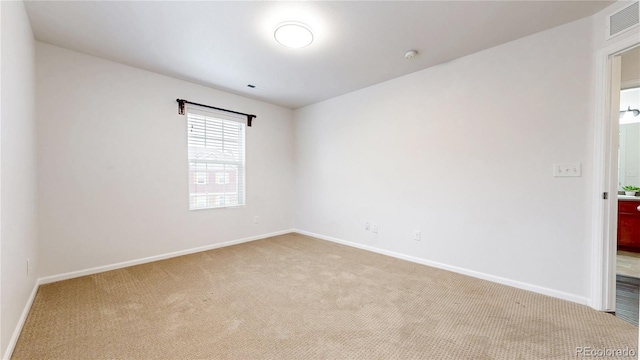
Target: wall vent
{"points": [[623, 20]]}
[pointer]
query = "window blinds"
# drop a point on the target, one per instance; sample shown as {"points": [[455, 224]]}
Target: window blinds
{"points": [[216, 149]]}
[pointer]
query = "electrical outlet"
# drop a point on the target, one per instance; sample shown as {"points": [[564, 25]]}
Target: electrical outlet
{"points": [[374, 228], [367, 225], [256, 219], [417, 235]]}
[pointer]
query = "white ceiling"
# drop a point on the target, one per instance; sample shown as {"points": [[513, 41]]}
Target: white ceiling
{"points": [[227, 45]]}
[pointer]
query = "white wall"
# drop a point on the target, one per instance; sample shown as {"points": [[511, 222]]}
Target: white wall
{"points": [[629, 168], [463, 152], [18, 231], [113, 169]]}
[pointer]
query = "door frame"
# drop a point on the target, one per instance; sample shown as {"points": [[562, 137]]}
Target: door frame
{"points": [[605, 175]]}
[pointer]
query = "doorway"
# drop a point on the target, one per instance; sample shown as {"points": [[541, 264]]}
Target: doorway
{"points": [[606, 173], [628, 194]]}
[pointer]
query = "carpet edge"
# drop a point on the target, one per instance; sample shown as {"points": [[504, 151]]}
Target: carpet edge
{"points": [[124, 264], [21, 321], [475, 274]]}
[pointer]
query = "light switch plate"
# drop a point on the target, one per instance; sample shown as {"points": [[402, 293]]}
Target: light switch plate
{"points": [[567, 170]]}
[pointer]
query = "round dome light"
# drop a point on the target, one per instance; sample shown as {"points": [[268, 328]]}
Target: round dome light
{"points": [[293, 35]]}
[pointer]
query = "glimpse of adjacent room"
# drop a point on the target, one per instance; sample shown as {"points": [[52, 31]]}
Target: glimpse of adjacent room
{"points": [[628, 254]]}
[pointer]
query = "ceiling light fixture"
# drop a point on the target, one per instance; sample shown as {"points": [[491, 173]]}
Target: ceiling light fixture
{"points": [[293, 35]]}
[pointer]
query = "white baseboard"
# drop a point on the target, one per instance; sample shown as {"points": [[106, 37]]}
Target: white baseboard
{"points": [[23, 318], [99, 269], [497, 279]]}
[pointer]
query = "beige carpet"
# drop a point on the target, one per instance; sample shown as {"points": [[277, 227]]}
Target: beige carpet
{"points": [[295, 297]]}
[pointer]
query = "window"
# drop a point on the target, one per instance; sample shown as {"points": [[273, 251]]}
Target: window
{"points": [[216, 151], [222, 178], [200, 201], [201, 178]]}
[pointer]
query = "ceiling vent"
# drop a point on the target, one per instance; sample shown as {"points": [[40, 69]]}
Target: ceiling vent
{"points": [[623, 20]]}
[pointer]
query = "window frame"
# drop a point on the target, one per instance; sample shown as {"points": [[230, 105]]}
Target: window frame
{"points": [[239, 165], [196, 177]]}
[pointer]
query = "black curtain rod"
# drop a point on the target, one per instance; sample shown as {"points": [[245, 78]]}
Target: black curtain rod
{"points": [[181, 103]]}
